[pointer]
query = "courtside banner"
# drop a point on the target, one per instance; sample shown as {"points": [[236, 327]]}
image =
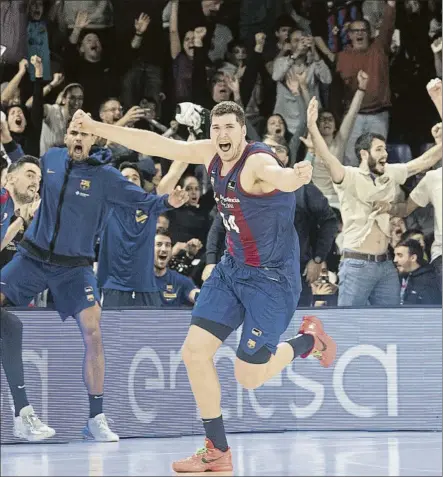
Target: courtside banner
{"points": [[388, 376]]}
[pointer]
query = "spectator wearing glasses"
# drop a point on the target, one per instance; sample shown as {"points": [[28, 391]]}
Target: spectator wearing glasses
{"points": [[373, 58]]}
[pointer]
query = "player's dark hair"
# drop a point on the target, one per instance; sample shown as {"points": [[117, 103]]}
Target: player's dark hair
{"points": [[22, 161], [132, 165], [163, 231], [410, 232], [283, 20], [229, 107], [414, 248], [103, 104], [364, 142]]}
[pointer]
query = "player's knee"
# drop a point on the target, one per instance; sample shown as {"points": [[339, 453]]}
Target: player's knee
{"points": [[89, 321], [248, 378], [202, 341], [250, 369], [192, 353]]}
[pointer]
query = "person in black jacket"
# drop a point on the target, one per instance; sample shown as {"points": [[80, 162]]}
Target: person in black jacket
{"points": [[314, 220], [419, 284], [26, 130]]}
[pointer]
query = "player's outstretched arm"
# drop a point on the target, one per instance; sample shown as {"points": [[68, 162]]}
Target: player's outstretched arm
{"points": [[146, 142], [334, 166], [268, 171]]}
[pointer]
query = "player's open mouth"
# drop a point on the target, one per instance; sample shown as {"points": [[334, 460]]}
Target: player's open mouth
{"points": [[278, 131], [225, 146], [78, 149], [18, 121]]}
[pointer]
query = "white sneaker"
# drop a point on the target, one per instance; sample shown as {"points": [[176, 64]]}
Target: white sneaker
{"points": [[28, 426], [97, 429]]}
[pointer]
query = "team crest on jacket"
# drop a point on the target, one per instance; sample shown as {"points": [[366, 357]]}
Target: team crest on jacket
{"points": [[141, 216], [85, 184]]}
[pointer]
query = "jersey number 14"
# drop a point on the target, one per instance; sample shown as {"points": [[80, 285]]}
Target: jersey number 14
{"points": [[229, 223]]}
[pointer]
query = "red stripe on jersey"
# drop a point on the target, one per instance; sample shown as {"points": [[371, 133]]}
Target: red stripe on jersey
{"points": [[250, 250], [4, 196], [249, 245], [230, 244]]}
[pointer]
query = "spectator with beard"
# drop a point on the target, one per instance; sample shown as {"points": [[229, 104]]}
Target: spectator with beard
{"points": [[336, 139], [24, 132], [419, 284], [175, 289], [419, 236], [365, 194], [87, 66], [58, 116]]}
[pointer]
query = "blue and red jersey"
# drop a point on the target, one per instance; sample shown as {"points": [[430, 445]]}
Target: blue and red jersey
{"points": [[7, 211], [260, 228]]}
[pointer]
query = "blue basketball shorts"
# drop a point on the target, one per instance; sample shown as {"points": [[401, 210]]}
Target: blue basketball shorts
{"points": [[262, 299], [73, 288]]}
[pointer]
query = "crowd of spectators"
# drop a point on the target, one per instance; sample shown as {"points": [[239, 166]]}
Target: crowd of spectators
{"points": [[367, 63]]}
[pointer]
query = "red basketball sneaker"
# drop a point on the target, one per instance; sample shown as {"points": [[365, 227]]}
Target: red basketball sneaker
{"points": [[207, 459], [325, 348]]}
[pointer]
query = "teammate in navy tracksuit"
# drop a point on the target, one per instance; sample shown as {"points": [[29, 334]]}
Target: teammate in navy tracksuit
{"points": [[175, 288], [256, 284], [57, 252], [17, 198], [125, 271]]}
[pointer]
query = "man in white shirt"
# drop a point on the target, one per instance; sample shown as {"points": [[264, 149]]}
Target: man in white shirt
{"points": [[365, 194]]}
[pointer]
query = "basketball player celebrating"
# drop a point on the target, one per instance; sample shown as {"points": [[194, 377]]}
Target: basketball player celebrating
{"points": [[257, 283]]}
